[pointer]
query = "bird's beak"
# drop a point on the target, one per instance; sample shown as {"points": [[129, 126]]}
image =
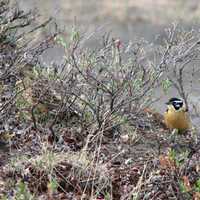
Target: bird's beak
{"points": [[168, 103]]}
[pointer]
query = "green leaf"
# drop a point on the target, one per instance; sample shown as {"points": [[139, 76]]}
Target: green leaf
{"points": [[197, 185], [61, 41], [53, 185], [75, 36], [166, 84], [182, 187], [172, 154]]}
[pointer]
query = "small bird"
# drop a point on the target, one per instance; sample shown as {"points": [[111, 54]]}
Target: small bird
{"points": [[176, 115]]}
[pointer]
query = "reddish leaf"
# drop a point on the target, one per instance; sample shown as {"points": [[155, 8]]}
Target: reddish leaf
{"points": [[186, 183]]}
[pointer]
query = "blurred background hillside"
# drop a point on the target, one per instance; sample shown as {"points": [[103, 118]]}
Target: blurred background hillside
{"points": [[128, 18]]}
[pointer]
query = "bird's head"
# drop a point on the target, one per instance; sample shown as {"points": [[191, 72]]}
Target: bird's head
{"points": [[175, 103]]}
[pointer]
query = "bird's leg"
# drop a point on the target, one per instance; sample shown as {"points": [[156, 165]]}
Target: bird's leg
{"points": [[173, 135]]}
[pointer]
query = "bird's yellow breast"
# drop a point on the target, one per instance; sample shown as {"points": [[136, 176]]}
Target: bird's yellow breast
{"points": [[177, 119]]}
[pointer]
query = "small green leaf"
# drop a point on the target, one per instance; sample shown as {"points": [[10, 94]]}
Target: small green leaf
{"points": [[61, 41], [197, 185], [172, 154], [182, 187], [53, 185], [166, 84], [75, 36]]}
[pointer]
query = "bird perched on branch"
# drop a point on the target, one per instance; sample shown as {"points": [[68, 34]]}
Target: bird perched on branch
{"points": [[176, 115]]}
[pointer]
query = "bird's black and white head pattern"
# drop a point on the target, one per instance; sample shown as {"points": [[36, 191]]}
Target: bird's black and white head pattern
{"points": [[176, 102]]}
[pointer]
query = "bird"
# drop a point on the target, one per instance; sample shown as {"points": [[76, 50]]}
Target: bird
{"points": [[176, 116]]}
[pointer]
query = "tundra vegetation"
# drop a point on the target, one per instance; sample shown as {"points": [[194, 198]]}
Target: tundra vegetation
{"points": [[84, 128]]}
